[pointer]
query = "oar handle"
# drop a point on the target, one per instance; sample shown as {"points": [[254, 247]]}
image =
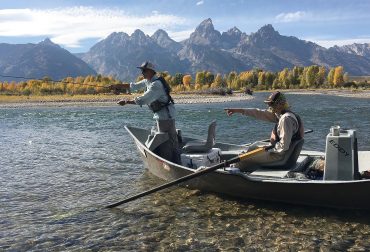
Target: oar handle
{"points": [[190, 176]]}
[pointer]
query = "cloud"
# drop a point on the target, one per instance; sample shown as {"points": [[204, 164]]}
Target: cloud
{"points": [[69, 26], [291, 16], [180, 35], [200, 2], [338, 42]]}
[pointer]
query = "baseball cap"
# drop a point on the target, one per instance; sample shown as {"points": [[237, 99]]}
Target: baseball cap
{"points": [[275, 98]]}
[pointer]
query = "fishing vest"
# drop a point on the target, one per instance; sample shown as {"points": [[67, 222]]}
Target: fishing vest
{"points": [[296, 136], [159, 105]]}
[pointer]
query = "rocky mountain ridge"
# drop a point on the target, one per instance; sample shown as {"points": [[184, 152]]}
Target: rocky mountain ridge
{"points": [[40, 60], [208, 49]]}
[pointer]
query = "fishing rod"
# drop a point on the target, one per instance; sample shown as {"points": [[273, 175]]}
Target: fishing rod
{"points": [[50, 80]]}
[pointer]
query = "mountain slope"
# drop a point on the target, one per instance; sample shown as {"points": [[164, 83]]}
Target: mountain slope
{"points": [[40, 60]]}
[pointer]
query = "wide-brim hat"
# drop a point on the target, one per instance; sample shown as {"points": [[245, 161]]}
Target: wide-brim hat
{"points": [[147, 65], [275, 98]]}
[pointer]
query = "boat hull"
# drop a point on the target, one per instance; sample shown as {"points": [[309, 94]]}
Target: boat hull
{"points": [[337, 194]]}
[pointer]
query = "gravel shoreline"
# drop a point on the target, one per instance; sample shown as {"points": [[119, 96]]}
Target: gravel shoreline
{"points": [[106, 101], [179, 98], [342, 93]]}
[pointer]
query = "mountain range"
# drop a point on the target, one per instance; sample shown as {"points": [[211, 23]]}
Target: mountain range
{"points": [[40, 60], [205, 49]]}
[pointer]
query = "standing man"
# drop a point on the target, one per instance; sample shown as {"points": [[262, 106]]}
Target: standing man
{"points": [[157, 97], [288, 127]]}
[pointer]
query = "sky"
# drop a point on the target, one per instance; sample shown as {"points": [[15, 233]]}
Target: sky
{"points": [[76, 25]]}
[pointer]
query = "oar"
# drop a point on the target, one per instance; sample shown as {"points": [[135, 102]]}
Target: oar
{"points": [[268, 139], [240, 157]]}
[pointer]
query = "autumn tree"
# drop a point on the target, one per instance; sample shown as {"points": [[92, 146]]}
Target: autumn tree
{"points": [[209, 78], [200, 78], [338, 76], [284, 78], [296, 75], [218, 81], [331, 77], [178, 79], [186, 80], [261, 79], [230, 78], [303, 82], [321, 76], [270, 77], [311, 76]]}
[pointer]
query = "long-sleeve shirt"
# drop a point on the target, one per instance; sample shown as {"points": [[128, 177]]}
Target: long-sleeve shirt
{"points": [[154, 91], [286, 128]]}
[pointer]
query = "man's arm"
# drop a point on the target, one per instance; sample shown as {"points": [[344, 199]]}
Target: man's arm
{"points": [[152, 94], [133, 87], [138, 85], [124, 102], [260, 114]]}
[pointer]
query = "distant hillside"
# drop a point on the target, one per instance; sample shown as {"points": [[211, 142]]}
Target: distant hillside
{"points": [[40, 60], [208, 49]]}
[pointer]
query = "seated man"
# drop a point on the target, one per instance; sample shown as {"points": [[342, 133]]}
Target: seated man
{"points": [[288, 127]]}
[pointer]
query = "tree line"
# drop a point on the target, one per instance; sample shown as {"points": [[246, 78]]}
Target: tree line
{"points": [[296, 78], [79, 85]]}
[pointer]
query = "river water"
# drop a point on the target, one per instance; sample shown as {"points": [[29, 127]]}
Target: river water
{"points": [[59, 167]]}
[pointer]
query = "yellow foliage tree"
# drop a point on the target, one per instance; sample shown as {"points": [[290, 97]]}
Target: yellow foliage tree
{"points": [[217, 81], [197, 86], [186, 80], [338, 79]]}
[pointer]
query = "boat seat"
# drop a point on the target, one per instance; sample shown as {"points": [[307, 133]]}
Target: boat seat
{"points": [[290, 157], [202, 146], [156, 140]]}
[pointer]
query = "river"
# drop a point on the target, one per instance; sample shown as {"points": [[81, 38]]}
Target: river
{"points": [[59, 167]]}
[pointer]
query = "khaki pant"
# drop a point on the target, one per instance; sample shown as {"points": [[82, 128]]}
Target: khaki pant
{"points": [[170, 149], [259, 159]]}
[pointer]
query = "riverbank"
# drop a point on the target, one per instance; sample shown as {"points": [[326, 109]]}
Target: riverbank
{"points": [[24, 101], [335, 92], [108, 99]]}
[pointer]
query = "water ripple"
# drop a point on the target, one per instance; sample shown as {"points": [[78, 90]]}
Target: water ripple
{"points": [[60, 166]]}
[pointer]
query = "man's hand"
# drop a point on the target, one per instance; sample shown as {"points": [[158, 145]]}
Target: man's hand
{"points": [[124, 102], [230, 111], [268, 147]]}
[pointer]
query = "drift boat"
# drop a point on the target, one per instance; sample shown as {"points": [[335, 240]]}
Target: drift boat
{"points": [[340, 186]]}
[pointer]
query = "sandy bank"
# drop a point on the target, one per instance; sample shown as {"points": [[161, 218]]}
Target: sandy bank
{"points": [[342, 93], [112, 100], [109, 100]]}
